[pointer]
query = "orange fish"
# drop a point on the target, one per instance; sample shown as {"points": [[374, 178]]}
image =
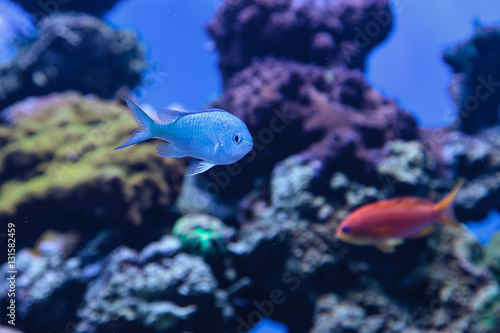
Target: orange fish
{"points": [[385, 224]]}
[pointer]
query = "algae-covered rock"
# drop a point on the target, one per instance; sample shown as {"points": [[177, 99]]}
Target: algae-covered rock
{"points": [[57, 165]]}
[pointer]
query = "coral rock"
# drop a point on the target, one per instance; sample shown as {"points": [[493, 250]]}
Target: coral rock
{"points": [[45, 277], [492, 255], [169, 291], [446, 287], [472, 157], [48, 7], [291, 108], [328, 33], [73, 52], [313, 112], [475, 86]]}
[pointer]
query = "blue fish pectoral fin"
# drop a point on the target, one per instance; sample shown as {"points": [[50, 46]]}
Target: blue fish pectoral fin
{"points": [[166, 149], [389, 245], [198, 167]]}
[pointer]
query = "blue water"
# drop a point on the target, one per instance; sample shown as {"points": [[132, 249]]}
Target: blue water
{"points": [[486, 228], [12, 22], [267, 325], [184, 69]]}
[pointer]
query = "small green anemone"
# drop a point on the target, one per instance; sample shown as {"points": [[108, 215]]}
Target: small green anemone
{"points": [[202, 234]]}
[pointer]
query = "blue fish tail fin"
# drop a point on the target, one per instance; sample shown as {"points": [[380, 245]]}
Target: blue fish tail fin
{"points": [[145, 123]]}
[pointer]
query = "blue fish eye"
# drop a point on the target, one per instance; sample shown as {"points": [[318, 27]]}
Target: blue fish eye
{"points": [[346, 230], [237, 138]]}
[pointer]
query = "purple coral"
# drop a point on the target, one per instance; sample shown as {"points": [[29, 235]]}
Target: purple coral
{"points": [[327, 33], [324, 114]]}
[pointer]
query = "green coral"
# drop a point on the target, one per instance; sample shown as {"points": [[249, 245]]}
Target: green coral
{"points": [[59, 160], [202, 234]]}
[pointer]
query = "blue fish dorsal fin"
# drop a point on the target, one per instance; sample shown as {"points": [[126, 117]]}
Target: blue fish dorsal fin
{"points": [[169, 116]]}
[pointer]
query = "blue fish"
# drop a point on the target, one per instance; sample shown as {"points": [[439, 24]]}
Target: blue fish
{"points": [[213, 136]]}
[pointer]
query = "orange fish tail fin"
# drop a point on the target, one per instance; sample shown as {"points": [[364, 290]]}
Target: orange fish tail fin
{"points": [[446, 207]]}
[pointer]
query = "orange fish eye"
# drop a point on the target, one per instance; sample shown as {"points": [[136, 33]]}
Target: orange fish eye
{"points": [[346, 230]]}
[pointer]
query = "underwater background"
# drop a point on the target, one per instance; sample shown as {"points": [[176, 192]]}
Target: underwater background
{"points": [[348, 102]]}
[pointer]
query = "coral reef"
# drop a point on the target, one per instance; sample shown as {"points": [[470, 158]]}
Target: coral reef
{"points": [[44, 280], [156, 290], [328, 33], [324, 112], [321, 124], [73, 52], [262, 242], [332, 114], [58, 164], [350, 288], [293, 108], [475, 84], [41, 9]]}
